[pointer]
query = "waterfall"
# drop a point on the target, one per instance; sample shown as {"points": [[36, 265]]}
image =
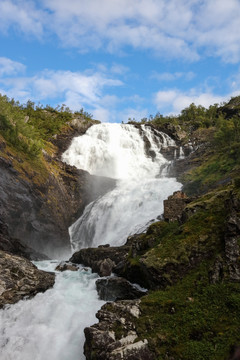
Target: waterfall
{"points": [[50, 326], [132, 155]]}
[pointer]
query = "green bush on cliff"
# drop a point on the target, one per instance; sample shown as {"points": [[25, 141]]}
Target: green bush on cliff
{"points": [[27, 127]]}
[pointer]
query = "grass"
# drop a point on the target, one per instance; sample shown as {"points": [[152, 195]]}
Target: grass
{"points": [[192, 319]]}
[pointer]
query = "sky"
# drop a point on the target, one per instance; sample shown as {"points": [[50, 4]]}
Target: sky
{"points": [[120, 59]]}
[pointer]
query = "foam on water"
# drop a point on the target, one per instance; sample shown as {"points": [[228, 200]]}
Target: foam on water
{"points": [[50, 326]]}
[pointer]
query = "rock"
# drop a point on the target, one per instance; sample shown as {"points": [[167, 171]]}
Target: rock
{"points": [[101, 259], [63, 266], [216, 273], [232, 239], [114, 337], [105, 267], [19, 278], [117, 288], [76, 127], [14, 246], [174, 206]]}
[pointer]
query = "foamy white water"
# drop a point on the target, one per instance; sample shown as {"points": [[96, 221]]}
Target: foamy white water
{"points": [[133, 157], [50, 326]]}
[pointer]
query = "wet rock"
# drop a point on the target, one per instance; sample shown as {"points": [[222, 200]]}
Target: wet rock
{"points": [[105, 267], [117, 288], [101, 259], [114, 337], [63, 266], [19, 278]]}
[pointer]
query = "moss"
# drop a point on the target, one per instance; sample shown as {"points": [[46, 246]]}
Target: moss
{"points": [[201, 233], [192, 319]]}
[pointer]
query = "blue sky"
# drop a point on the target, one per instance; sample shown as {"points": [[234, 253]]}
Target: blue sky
{"points": [[120, 58]]}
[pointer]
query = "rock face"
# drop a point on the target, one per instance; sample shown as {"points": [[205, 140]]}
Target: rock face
{"points": [[117, 288], [14, 246], [39, 207], [104, 341], [232, 239], [19, 278]]}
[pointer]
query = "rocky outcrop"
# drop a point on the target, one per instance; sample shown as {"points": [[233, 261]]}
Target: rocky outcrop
{"points": [[117, 288], [174, 206], [103, 259], [115, 337], [19, 278], [39, 205]]}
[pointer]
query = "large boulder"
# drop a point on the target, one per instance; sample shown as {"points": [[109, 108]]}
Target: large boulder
{"points": [[19, 278], [118, 288], [102, 259]]}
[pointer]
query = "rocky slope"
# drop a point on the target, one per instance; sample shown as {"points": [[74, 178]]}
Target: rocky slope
{"points": [[192, 267]]}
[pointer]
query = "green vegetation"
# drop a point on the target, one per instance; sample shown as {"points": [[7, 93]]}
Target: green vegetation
{"points": [[192, 319], [219, 128], [27, 128]]}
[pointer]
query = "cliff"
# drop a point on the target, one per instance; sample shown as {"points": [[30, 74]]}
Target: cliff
{"points": [[40, 196]]}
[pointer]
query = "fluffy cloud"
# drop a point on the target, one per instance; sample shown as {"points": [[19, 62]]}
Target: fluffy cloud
{"points": [[170, 28], [173, 101], [75, 89], [72, 87], [10, 67], [23, 16]]}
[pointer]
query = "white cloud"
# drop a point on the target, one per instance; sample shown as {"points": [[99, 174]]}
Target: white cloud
{"points": [[75, 89], [170, 28], [23, 15], [10, 67], [52, 84], [173, 101]]}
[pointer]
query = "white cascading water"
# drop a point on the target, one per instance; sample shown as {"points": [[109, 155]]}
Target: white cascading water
{"points": [[50, 326], [132, 156]]}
